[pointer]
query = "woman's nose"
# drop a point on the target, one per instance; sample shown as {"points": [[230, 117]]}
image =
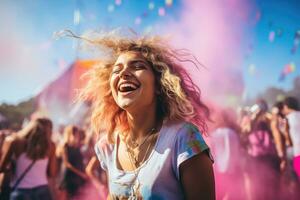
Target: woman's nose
{"points": [[125, 73]]}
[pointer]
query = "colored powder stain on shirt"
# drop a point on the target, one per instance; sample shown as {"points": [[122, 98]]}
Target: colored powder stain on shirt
{"points": [[160, 175]]}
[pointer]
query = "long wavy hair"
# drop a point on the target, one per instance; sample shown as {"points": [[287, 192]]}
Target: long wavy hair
{"points": [[179, 99], [37, 135]]}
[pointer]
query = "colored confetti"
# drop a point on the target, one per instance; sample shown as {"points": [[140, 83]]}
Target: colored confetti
{"points": [[271, 36], [257, 16], [77, 17], [279, 32], [148, 29], [294, 49], [161, 11], [151, 6], [110, 8], [145, 14], [169, 2], [252, 69], [137, 21], [118, 2], [289, 68]]}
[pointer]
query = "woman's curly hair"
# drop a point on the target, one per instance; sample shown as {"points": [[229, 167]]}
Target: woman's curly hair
{"points": [[178, 99]]}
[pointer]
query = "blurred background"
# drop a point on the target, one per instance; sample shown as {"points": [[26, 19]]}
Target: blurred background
{"points": [[249, 50]]}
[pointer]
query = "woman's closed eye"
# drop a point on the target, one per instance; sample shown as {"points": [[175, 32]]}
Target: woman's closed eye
{"points": [[139, 65], [116, 70]]}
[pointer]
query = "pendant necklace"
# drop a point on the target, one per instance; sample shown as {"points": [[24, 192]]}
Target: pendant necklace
{"points": [[135, 187]]}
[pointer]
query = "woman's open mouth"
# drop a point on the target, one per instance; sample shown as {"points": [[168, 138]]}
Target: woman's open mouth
{"points": [[128, 87]]}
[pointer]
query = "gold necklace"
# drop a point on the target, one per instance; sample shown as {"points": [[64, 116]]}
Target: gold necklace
{"points": [[135, 186], [135, 144]]}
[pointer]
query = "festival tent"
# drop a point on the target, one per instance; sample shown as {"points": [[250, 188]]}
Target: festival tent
{"points": [[57, 99]]}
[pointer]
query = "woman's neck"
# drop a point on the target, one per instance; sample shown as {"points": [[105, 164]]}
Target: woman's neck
{"points": [[142, 123]]}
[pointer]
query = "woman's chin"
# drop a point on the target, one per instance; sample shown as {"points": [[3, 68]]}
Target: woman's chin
{"points": [[126, 104]]}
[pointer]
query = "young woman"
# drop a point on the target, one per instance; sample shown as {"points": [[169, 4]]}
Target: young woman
{"points": [[74, 176], [31, 146], [151, 111]]}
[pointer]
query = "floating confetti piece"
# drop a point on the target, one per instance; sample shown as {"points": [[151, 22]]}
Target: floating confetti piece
{"points": [[279, 32], [118, 2], [137, 21], [148, 29], [271, 36], [145, 14], [294, 49], [77, 16], [288, 69], [252, 69], [161, 11], [151, 6], [257, 16], [110, 8], [169, 2]]}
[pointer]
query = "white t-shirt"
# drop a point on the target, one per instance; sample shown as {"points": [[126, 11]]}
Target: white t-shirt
{"points": [[294, 124], [158, 177]]}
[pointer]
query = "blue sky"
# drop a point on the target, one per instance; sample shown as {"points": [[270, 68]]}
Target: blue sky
{"points": [[270, 57], [30, 58]]}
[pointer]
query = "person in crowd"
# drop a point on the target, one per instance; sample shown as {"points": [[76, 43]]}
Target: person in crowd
{"points": [[281, 137], [154, 119], [289, 184], [262, 154], [229, 156], [34, 156], [74, 177], [292, 113]]}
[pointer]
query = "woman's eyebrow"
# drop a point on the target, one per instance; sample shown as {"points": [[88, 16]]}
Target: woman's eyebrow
{"points": [[130, 62], [137, 61]]}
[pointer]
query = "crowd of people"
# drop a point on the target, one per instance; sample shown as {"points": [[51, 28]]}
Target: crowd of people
{"points": [[37, 164], [153, 121], [257, 151], [256, 154]]}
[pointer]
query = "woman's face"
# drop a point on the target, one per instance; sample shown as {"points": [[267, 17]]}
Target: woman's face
{"points": [[75, 138], [132, 82]]}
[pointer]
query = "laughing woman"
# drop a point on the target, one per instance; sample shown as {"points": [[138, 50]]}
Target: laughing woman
{"points": [[154, 120]]}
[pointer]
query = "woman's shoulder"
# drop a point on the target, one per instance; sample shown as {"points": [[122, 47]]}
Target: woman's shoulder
{"points": [[103, 145], [180, 131], [182, 128], [14, 141], [104, 151]]}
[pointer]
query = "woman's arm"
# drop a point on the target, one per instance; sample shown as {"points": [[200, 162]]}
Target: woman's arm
{"points": [[280, 146], [89, 170], [197, 178], [70, 166], [286, 133], [279, 143], [52, 164], [92, 165], [6, 153]]}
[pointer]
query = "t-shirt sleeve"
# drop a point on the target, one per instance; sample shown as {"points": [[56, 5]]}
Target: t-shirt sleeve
{"points": [[100, 152], [189, 142]]}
